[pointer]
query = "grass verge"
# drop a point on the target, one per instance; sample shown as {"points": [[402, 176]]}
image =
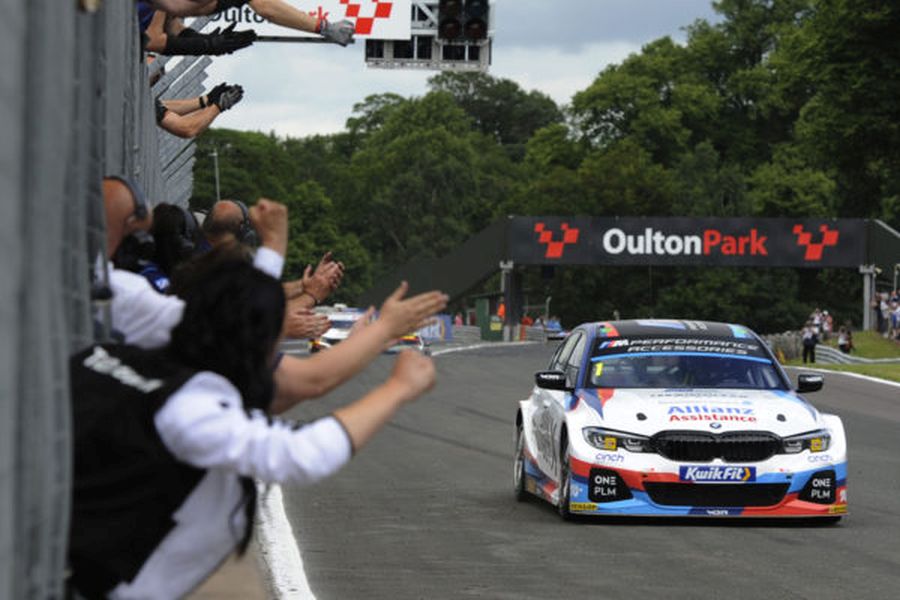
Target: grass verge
{"points": [[869, 344], [891, 372]]}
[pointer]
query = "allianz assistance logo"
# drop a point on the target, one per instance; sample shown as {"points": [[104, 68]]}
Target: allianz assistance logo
{"points": [[814, 250]]}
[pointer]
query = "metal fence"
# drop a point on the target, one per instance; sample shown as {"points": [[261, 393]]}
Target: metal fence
{"points": [[75, 104]]}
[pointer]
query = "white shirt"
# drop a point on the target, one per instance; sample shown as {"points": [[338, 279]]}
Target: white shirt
{"points": [[146, 318], [204, 424]]}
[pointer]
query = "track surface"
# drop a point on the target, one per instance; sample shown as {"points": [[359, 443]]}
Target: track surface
{"points": [[426, 511]]}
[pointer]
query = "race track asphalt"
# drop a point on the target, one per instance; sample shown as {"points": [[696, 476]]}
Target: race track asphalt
{"points": [[427, 511]]}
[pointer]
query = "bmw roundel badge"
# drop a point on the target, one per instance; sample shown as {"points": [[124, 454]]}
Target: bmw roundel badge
{"points": [[716, 425]]}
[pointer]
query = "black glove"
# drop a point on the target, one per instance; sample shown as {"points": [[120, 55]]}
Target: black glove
{"points": [[192, 43], [212, 97], [226, 4], [230, 40], [228, 98]]}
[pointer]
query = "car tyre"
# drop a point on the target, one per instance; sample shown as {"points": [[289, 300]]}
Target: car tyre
{"points": [[565, 481], [519, 466]]}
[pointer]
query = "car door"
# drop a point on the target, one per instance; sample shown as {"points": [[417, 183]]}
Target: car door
{"points": [[544, 415], [556, 412]]}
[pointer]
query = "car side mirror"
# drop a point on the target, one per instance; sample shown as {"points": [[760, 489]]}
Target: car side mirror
{"points": [[807, 383], [551, 380]]}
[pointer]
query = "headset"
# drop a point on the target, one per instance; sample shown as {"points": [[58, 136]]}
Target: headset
{"points": [[141, 208], [247, 235], [189, 233]]}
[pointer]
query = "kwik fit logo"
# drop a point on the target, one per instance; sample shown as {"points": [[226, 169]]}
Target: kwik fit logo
{"points": [[717, 474]]}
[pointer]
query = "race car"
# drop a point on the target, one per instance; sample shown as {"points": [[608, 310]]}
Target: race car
{"points": [[413, 341], [677, 418], [341, 322]]}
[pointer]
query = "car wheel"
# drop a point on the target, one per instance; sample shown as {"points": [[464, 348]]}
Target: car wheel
{"points": [[519, 466], [565, 481]]}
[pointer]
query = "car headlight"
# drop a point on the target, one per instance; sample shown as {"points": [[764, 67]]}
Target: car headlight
{"points": [[814, 441], [611, 440]]}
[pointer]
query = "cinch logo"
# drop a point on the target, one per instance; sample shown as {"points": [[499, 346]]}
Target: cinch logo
{"points": [[717, 474], [814, 250], [555, 249], [364, 24], [657, 243]]}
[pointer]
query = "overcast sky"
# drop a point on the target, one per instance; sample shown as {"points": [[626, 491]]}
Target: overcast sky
{"points": [[555, 46]]}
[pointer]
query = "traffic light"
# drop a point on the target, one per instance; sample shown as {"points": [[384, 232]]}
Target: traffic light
{"points": [[450, 19], [467, 19], [476, 19]]}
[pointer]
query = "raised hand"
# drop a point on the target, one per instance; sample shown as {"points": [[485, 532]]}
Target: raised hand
{"points": [[403, 315], [414, 372], [339, 33]]}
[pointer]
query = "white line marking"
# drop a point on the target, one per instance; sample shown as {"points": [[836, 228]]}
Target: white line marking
{"points": [[278, 549], [479, 346], [850, 374]]}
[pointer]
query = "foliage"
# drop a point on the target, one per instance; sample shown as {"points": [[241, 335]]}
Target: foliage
{"points": [[782, 108]]}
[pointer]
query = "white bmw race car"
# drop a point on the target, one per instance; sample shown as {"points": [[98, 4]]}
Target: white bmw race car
{"points": [[677, 418]]}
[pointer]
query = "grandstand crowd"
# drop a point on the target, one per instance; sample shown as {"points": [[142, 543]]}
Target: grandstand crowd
{"points": [[175, 405]]}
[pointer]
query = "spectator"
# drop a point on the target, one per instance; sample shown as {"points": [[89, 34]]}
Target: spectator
{"points": [[166, 442], [458, 320], [894, 310], [177, 236], [140, 314], [527, 321], [145, 318], [501, 310], [809, 337], [229, 221], [190, 117], [816, 320], [553, 324], [827, 325], [278, 12], [845, 339], [302, 379], [880, 313]]}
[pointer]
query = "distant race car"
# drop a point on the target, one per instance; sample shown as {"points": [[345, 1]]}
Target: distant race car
{"points": [[412, 341], [341, 323], [677, 418]]}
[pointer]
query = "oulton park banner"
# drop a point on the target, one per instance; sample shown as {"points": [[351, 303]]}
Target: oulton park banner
{"points": [[376, 19], [730, 242]]}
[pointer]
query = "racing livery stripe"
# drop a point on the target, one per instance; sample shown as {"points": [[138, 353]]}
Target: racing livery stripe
{"points": [[715, 354]]}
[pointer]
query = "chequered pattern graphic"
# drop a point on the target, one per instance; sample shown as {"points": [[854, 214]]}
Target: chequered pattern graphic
{"points": [[364, 24]]}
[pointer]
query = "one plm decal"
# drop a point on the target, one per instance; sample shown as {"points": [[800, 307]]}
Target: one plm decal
{"points": [[717, 474]]}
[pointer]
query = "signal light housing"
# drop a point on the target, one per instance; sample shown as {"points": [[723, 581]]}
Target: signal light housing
{"points": [[468, 20]]}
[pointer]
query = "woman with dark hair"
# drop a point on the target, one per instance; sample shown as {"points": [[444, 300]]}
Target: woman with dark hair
{"points": [[177, 238], [167, 441]]}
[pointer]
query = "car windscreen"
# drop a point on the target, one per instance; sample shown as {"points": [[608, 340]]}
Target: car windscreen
{"points": [[682, 363]]}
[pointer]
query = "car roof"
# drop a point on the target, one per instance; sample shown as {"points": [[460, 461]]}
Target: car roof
{"points": [[667, 328]]}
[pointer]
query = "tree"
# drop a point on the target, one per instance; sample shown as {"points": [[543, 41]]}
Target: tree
{"points": [[499, 107]]}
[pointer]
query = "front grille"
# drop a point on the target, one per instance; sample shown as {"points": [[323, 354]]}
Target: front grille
{"points": [[716, 494], [733, 447]]}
